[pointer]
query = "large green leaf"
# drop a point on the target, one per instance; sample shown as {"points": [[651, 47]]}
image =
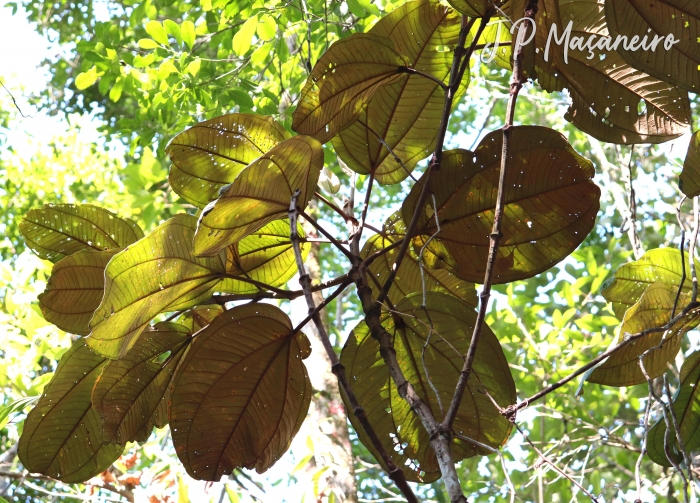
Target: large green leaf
{"points": [[260, 194], [654, 309], [343, 80], [58, 230], [241, 393], [212, 153], [406, 114], [61, 436], [131, 395], [690, 176], [408, 279], [159, 273], [686, 405], [662, 265], [396, 425], [646, 20], [74, 290], [606, 92], [551, 204], [265, 256]]}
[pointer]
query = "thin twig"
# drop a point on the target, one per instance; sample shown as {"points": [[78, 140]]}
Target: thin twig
{"points": [[691, 248], [627, 339], [555, 467], [323, 231], [632, 203], [394, 472], [496, 235], [645, 439], [680, 286], [511, 487]]}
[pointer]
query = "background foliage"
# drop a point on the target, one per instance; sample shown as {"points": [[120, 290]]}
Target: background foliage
{"points": [[144, 71]]}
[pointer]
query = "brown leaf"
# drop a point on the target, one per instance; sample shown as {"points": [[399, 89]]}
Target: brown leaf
{"points": [[61, 436], [395, 423], [690, 176], [654, 309], [210, 155], [74, 290], [551, 204], [260, 194], [660, 18], [342, 81], [406, 115], [240, 394], [58, 230], [131, 394]]}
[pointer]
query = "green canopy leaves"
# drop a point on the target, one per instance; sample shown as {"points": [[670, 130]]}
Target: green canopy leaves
{"points": [[241, 393], [75, 290], [58, 230], [260, 194], [131, 394], [62, 436], [159, 273], [406, 114], [551, 204], [405, 439], [212, 153], [342, 81]]}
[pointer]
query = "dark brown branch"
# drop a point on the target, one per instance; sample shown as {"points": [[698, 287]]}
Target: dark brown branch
{"points": [[284, 294], [439, 437], [683, 277], [691, 248], [394, 472], [368, 261], [676, 429], [357, 236], [332, 206], [496, 235]]}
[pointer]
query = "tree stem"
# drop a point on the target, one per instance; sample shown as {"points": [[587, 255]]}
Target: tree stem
{"points": [[395, 473]]}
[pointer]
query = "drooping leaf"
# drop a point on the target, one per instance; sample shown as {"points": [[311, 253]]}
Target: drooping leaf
{"points": [[62, 437], [690, 176], [654, 309], [158, 274], [265, 256], [58, 230], [408, 279], [551, 204], [342, 81], [686, 405], [607, 93], [199, 317], [212, 153], [661, 265], [396, 425], [661, 18], [241, 393], [74, 290], [472, 8], [131, 395], [260, 194], [407, 113]]}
